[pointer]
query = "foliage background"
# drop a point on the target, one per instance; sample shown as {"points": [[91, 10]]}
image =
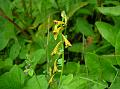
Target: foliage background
{"points": [[93, 28]]}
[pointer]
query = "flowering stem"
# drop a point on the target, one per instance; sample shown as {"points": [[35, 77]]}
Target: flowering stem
{"points": [[62, 60]]}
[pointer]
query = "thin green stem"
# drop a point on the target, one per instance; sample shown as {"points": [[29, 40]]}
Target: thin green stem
{"points": [[47, 51], [83, 52], [114, 79], [92, 81], [62, 62]]}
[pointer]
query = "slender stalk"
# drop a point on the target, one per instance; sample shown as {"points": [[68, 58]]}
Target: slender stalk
{"points": [[47, 51], [114, 79], [10, 20], [92, 81], [83, 49], [83, 53]]}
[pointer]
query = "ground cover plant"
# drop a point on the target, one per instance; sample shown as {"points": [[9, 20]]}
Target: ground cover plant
{"points": [[59, 44]]}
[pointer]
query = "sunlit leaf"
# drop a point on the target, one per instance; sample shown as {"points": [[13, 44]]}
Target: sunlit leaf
{"points": [[37, 82], [114, 11], [13, 79], [107, 31]]}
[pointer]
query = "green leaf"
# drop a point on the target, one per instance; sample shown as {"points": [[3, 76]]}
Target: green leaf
{"points": [[13, 79], [67, 79], [84, 27], [70, 82], [96, 86], [30, 72], [38, 56], [117, 48], [116, 82], [37, 82], [108, 71], [114, 11], [23, 52], [5, 5], [6, 33], [3, 40], [7, 63], [76, 47], [71, 67], [75, 8], [111, 59], [99, 67], [107, 31], [14, 51], [93, 65]]}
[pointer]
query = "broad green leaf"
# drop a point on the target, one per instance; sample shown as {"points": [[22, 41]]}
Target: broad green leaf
{"points": [[79, 82], [75, 8], [70, 82], [13, 79], [7, 63], [100, 67], [14, 51], [84, 27], [107, 31], [93, 65], [108, 71], [38, 56], [96, 86], [91, 83], [37, 82], [76, 47], [6, 32], [114, 11], [5, 5], [67, 79], [116, 82], [71, 67], [3, 40], [117, 48], [111, 59]]}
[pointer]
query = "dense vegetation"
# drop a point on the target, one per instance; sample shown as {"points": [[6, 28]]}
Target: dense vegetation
{"points": [[59, 44]]}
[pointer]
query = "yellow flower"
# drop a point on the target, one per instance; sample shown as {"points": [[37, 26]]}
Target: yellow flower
{"points": [[50, 71], [67, 43], [51, 79], [56, 31], [55, 69], [58, 22], [55, 50]]}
